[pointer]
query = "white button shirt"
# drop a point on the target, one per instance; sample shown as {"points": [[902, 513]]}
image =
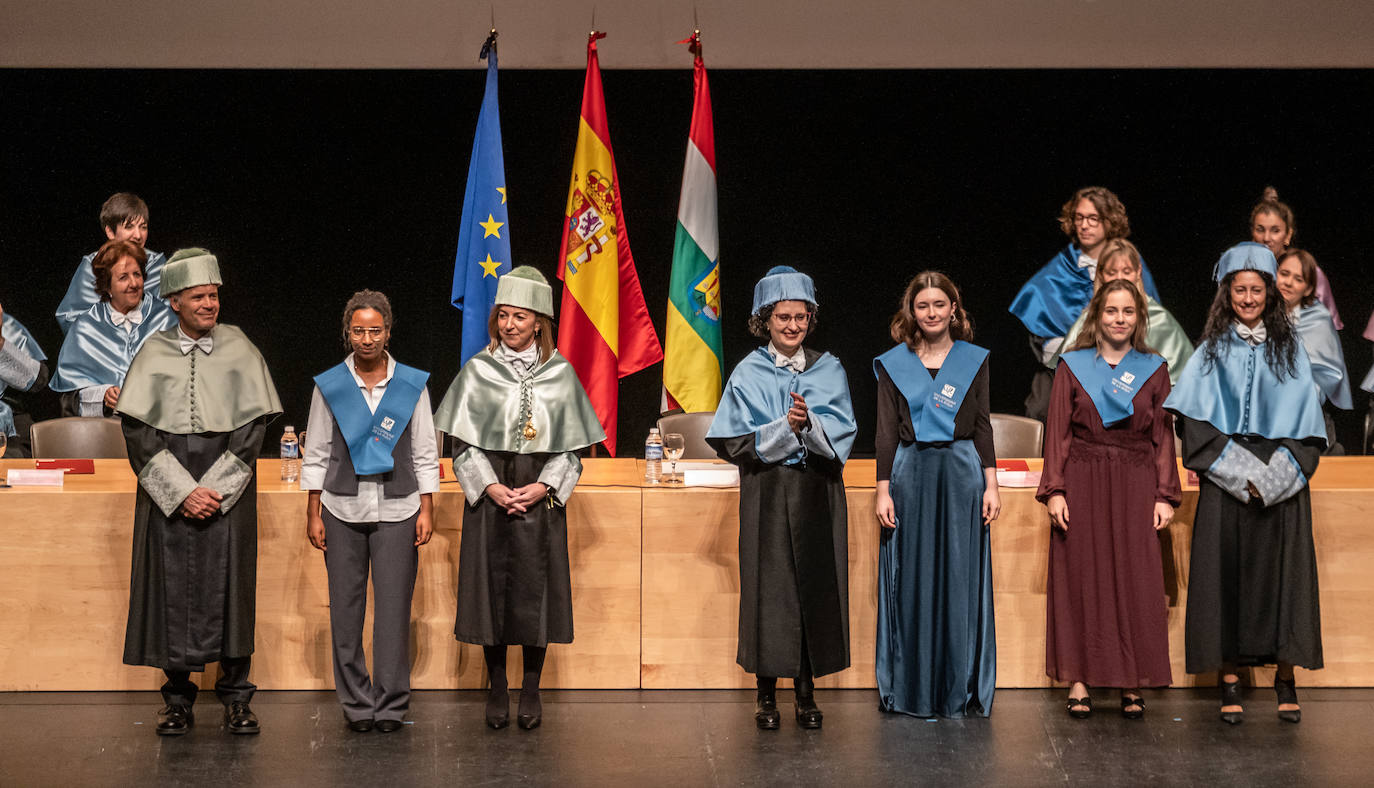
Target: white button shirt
{"points": [[370, 504]]}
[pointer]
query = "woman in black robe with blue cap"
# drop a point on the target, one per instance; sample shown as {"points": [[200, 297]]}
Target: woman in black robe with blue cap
{"points": [[786, 420], [1251, 421]]}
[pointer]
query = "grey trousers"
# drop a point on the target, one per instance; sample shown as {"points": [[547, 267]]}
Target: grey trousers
{"points": [[389, 549]]}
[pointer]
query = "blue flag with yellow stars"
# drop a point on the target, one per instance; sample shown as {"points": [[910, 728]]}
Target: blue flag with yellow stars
{"points": [[483, 239]]}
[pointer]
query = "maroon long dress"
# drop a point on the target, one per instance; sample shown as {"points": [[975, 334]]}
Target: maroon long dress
{"points": [[1106, 616]]}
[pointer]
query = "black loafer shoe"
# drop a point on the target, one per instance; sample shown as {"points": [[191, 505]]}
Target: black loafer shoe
{"points": [[766, 715], [360, 726], [808, 716], [174, 720], [388, 726], [238, 718]]}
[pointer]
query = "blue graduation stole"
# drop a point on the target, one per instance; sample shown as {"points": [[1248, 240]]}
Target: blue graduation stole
{"points": [[1051, 300], [371, 437], [933, 403], [1112, 390]]}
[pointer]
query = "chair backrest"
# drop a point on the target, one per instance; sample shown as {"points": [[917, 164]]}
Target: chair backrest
{"points": [[74, 437], [692, 427], [1017, 436]]}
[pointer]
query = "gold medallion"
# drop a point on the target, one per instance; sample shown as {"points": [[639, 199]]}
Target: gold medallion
{"points": [[529, 432]]}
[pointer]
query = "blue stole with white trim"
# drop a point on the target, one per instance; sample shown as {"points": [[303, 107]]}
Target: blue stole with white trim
{"points": [[371, 436], [1112, 390], [933, 402]]}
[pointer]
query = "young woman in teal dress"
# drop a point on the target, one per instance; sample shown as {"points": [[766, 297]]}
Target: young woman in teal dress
{"points": [[937, 494]]}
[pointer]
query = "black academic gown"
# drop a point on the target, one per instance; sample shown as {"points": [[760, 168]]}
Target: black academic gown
{"points": [[193, 583], [1252, 580], [793, 560]]}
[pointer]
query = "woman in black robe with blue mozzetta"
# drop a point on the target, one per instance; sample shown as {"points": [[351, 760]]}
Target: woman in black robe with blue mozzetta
{"points": [[786, 420], [1251, 421], [937, 493]]}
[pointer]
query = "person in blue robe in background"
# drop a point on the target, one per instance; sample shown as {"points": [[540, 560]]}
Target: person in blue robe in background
{"points": [[785, 418], [1249, 413], [1052, 299], [104, 339], [1297, 276], [123, 217], [937, 494], [22, 369]]}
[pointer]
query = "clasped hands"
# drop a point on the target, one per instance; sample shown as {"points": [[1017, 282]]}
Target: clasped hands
{"points": [[798, 417], [518, 500], [1058, 507], [201, 504]]}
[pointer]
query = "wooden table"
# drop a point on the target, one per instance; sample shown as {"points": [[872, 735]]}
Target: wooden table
{"points": [[655, 585]]}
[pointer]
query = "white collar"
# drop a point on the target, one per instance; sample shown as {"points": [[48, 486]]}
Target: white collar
{"points": [[522, 361], [133, 318], [353, 368], [1084, 261], [1255, 336], [205, 343], [796, 362]]}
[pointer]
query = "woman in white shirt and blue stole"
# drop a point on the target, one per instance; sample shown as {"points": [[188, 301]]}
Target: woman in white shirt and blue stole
{"points": [[937, 493], [1251, 421], [520, 416], [786, 420], [371, 468]]}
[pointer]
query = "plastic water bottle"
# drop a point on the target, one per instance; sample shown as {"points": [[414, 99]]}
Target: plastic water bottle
{"points": [[290, 455], [653, 457]]}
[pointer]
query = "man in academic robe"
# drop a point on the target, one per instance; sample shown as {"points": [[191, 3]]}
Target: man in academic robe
{"points": [[124, 217], [195, 406]]}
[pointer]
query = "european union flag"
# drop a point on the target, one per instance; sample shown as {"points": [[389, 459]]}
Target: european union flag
{"points": [[483, 238]]}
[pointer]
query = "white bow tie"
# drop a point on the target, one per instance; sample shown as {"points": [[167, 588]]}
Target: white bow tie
{"points": [[204, 343], [796, 362], [132, 318], [1255, 336]]}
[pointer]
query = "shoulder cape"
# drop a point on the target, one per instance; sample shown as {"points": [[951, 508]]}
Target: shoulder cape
{"points": [[226, 389], [1318, 334], [1112, 390], [1050, 301], [371, 436], [757, 394], [1241, 395], [15, 332], [81, 293], [483, 408], [933, 402], [97, 353]]}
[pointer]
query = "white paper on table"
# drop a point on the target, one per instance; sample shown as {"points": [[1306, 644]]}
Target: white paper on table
{"points": [[706, 474], [35, 478], [1018, 478]]}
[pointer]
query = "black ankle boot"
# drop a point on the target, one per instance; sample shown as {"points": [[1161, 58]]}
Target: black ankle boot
{"points": [[766, 714], [808, 715]]}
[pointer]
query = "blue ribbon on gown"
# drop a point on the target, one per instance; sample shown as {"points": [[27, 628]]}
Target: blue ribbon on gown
{"points": [[1112, 389], [371, 436]]}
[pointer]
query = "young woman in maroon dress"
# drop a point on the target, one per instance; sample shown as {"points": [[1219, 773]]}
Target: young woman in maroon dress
{"points": [[1110, 483]]}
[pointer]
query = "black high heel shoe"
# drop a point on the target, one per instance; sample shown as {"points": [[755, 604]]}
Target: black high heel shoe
{"points": [[1080, 708], [1230, 696], [1127, 702], [1287, 692]]}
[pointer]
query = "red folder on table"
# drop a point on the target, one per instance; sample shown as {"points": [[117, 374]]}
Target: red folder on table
{"points": [[70, 466], [1012, 465]]}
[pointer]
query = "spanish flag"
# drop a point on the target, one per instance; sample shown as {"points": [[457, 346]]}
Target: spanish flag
{"points": [[694, 361], [604, 327]]}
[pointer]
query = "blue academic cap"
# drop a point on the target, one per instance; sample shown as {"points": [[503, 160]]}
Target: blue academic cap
{"points": [[1247, 256], [783, 283]]}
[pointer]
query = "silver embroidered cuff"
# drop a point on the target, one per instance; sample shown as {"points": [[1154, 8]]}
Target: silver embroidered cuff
{"points": [[1281, 479], [776, 442], [474, 472], [1233, 468], [815, 439], [17, 369], [166, 481], [229, 477], [93, 401], [561, 473]]}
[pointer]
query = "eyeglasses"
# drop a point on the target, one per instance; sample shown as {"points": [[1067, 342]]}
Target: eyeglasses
{"points": [[1087, 219], [800, 319], [358, 332]]}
